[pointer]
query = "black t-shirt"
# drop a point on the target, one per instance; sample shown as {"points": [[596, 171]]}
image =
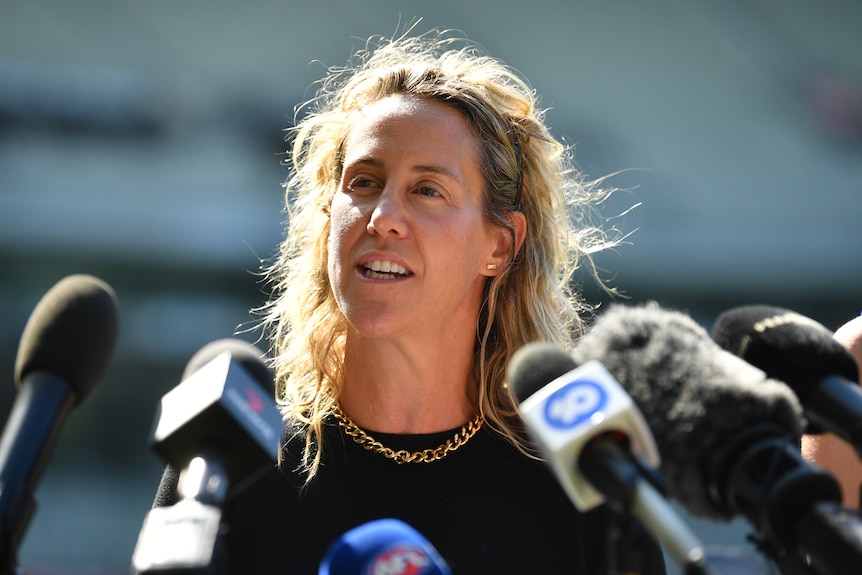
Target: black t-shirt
{"points": [[487, 509]]}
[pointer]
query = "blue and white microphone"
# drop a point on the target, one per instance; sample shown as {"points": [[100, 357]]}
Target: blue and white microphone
{"points": [[567, 408], [595, 439], [383, 547]]}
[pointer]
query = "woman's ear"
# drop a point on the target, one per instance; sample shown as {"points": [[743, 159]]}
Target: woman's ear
{"points": [[509, 243], [519, 223]]}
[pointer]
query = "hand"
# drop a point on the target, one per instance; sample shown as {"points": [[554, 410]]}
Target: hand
{"points": [[850, 336], [827, 450]]}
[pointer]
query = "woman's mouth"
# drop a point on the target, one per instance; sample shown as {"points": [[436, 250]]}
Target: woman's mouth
{"points": [[384, 270]]}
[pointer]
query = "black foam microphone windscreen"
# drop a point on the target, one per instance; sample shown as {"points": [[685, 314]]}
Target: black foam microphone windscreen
{"points": [[530, 372], [804, 354], [693, 394], [72, 333]]}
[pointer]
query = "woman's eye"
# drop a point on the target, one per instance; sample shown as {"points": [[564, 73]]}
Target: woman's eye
{"points": [[427, 191], [357, 183]]}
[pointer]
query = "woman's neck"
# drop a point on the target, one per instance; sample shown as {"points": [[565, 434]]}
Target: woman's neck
{"points": [[398, 388]]}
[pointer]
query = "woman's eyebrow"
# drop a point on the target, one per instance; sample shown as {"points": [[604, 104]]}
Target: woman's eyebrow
{"points": [[435, 170], [419, 169]]}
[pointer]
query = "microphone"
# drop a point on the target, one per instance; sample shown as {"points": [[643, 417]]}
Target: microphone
{"points": [[803, 354], [221, 427], [224, 408], [383, 547], [65, 349], [596, 441], [728, 436], [568, 411]]}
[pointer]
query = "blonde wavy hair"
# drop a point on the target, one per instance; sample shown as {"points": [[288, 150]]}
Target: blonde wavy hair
{"points": [[525, 169]]}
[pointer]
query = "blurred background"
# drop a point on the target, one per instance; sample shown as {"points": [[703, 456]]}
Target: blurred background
{"points": [[143, 142]]}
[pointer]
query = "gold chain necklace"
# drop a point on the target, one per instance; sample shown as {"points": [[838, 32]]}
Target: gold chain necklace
{"points": [[467, 431]]}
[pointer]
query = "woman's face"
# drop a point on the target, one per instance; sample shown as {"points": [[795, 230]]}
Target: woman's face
{"points": [[409, 246]]}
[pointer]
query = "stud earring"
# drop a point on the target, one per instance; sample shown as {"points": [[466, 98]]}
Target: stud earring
{"points": [[491, 266]]}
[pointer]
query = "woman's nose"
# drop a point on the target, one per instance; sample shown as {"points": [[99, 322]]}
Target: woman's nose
{"points": [[388, 216]]}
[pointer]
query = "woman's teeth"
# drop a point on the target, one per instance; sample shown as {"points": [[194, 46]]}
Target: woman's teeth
{"points": [[384, 270]]}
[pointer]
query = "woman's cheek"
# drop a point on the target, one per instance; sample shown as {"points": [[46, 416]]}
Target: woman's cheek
{"points": [[344, 219]]}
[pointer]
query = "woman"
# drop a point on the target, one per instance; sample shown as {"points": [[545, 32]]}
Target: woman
{"points": [[431, 234]]}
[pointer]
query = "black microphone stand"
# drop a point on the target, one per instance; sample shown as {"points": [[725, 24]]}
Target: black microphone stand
{"points": [[621, 478], [625, 543]]}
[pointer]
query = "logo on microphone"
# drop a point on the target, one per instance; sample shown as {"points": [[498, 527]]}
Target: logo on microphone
{"points": [[253, 400], [574, 403], [402, 560], [248, 405], [792, 318]]}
